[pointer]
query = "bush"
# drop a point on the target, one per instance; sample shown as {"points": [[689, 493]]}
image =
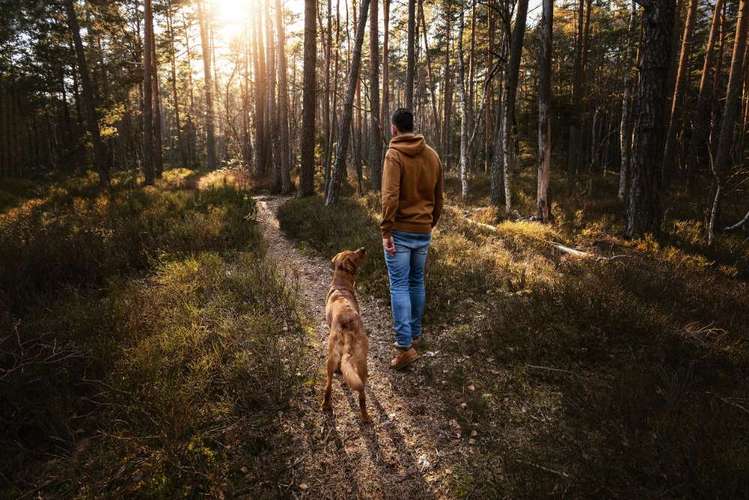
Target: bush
{"points": [[145, 328], [577, 376]]}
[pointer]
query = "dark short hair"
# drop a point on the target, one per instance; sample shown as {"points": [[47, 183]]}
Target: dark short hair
{"points": [[403, 120]]}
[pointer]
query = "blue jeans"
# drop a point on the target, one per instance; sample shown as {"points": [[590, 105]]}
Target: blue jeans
{"points": [[407, 291]]}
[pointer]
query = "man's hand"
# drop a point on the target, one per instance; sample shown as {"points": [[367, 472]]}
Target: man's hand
{"points": [[388, 245]]}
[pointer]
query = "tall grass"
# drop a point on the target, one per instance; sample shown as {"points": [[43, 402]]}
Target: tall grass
{"points": [[581, 378], [146, 345]]}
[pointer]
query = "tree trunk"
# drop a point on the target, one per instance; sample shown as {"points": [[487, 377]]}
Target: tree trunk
{"points": [[510, 92], [701, 113], [261, 102], [175, 100], [158, 160], [644, 210], [385, 112], [730, 113], [326, 110], [307, 177], [463, 107], [577, 75], [544, 110], [674, 123], [448, 91], [208, 84], [432, 91], [625, 127], [375, 148], [89, 96], [411, 55], [191, 132], [284, 159], [148, 144], [339, 169], [271, 113]]}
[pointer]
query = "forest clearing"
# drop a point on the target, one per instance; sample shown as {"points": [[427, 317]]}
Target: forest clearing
{"points": [[176, 176]]}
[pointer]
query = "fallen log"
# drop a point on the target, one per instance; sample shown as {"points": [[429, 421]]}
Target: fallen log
{"points": [[739, 224]]}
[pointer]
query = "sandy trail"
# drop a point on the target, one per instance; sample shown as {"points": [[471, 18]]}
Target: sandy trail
{"points": [[408, 450]]}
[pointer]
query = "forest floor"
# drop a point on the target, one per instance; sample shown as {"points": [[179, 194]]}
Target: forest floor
{"points": [[614, 372], [408, 450], [169, 341]]}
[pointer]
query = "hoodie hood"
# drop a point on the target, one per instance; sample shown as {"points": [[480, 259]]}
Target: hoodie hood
{"points": [[408, 144]]}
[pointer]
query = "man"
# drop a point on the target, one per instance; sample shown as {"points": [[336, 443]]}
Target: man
{"points": [[412, 187]]}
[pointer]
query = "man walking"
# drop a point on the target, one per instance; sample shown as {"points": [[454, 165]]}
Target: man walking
{"points": [[412, 187]]}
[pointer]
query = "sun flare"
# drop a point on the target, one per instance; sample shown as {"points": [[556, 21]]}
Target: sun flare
{"points": [[231, 17]]}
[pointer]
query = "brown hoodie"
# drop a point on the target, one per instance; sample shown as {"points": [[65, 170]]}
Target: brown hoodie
{"points": [[412, 186]]}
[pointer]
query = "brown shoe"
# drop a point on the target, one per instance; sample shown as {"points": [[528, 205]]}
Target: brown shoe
{"points": [[403, 359]]}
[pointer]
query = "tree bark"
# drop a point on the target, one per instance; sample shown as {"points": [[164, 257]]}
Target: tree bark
{"points": [[307, 177], [510, 92], [625, 127], [284, 159], [544, 110], [261, 102], [158, 160], [148, 143], [326, 109], [411, 55], [463, 107], [573, 145], [644, 210], [339, 169], [447, 89], [175, 100], [375, 147], [674, 123], [271, 113], [89, 96], [701, 114], [432, 91], [208, 84], [385, 112], [730, 113]]}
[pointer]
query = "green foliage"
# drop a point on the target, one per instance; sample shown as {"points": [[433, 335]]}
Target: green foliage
{"points": [[585, 374], [75, 237], [145, 339]]}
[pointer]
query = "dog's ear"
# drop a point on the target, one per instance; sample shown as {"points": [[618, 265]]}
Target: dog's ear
{"points": [[362, 251], [333, 262]]}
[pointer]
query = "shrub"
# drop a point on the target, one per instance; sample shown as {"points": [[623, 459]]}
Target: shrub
{"points": [[145, 328]]}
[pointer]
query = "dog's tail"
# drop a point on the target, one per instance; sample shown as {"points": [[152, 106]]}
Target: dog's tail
{"points": [[350, 375], [346, 325]]}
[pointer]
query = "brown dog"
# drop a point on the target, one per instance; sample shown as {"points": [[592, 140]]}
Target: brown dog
{"points": [[347, 341]]}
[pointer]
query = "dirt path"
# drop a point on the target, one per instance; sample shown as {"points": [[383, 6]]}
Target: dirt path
{"points": [[410, 449]]}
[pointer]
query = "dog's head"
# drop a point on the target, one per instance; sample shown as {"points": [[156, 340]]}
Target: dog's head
{"points": [[349, 260]]}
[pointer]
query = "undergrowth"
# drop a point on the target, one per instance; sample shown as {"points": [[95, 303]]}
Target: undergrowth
{"points": [[146, 346], [582, 378]]}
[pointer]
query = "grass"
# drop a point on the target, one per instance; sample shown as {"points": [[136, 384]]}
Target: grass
{"points": [[147, 347], [575, 378]]}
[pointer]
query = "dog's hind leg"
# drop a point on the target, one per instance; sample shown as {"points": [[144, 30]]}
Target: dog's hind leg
{"points": [[331, 366], [363, 407]]}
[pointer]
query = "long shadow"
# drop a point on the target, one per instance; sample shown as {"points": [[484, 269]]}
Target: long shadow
{"points": [[330, 430], [406, 457]]}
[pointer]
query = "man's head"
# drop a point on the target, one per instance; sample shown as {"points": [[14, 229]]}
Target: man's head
{"points": [[402, 122]]}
